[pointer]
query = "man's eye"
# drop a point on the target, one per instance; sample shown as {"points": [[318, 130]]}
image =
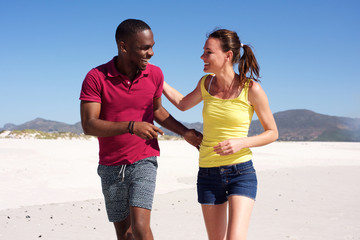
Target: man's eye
{"points": [[145, 48]]}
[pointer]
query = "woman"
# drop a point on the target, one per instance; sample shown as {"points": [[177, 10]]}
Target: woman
{"points": [[226, 177]]}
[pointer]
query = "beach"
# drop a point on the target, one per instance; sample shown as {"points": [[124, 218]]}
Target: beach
{"points": [[49, 189]]}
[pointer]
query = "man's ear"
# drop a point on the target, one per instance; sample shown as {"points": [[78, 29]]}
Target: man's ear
{"points": [[122, 46]]}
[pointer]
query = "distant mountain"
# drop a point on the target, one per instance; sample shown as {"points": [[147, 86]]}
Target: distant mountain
{"points": [[293, 125], [197, 126], [305, 125], [45, 126]]}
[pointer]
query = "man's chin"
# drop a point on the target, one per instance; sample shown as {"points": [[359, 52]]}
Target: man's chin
{"points": [[142, 68]]}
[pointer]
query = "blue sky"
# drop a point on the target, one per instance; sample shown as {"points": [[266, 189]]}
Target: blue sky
{"points": [[308, 51]]}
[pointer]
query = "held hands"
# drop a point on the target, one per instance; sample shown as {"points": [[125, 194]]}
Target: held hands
{"points": [[230, 146], [146, 130], [193, 137]]}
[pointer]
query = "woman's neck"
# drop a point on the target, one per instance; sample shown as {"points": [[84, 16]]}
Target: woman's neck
{"points": [[226, 80]]}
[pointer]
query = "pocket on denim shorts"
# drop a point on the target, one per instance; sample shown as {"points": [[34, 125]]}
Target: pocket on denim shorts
{"points": [[203, 172], [249, 170]]}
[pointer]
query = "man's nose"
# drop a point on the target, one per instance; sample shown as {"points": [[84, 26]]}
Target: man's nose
{"points": [[151, 52]]}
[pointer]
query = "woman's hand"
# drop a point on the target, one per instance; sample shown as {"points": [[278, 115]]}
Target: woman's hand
{"points": [[230, 146]]}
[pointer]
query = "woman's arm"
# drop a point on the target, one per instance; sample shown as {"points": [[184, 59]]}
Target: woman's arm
{"points": [[259, 101], [181, 102]]}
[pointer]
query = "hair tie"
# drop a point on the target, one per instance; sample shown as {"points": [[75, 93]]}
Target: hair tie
{"points": [[241, 45]]}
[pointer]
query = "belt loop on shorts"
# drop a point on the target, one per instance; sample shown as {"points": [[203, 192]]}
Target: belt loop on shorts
{"points": [[122, 172], [235, 167], [205, 170]]}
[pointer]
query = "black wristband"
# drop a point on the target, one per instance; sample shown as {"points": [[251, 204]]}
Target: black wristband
{"points": [[131, 127]]}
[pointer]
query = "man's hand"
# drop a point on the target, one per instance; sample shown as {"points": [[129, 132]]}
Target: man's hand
{"points": [[146, 130], [193, 137]]}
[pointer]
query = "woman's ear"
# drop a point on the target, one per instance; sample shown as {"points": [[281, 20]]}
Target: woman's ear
{"points": [[229, 56]]}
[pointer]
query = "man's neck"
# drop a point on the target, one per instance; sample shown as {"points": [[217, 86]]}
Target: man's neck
{"points": [[125, 69]]}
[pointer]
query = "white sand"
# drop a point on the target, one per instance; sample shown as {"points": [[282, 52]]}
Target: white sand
{"points": [[49, 189]]}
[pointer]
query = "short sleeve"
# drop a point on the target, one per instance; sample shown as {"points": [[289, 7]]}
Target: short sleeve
{"points": [[91, 87]]}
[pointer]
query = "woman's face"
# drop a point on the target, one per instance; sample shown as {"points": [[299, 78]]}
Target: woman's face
{"points": [[214, 58]]}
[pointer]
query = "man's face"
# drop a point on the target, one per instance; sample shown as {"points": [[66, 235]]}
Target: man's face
{"points": [[140, 49]]}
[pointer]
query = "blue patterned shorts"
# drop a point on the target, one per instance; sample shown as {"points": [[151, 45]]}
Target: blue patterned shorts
{"points": [[126, 186]]}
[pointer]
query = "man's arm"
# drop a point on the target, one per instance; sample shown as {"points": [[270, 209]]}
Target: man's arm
{"points": [[163, 118], [92, 125]]}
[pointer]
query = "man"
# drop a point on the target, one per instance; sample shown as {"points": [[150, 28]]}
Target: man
{"points": [[119, 101]]}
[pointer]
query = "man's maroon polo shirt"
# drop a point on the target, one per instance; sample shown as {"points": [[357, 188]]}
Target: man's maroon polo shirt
{"points": [[122, 101]]}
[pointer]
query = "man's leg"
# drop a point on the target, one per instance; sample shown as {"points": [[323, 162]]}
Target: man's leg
{"points": [[140, 223], [123, 229], [141, 195], [116, 200]]}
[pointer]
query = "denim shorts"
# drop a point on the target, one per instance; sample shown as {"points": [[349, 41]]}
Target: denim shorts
{"points": [[126, 186], [216, 184]]}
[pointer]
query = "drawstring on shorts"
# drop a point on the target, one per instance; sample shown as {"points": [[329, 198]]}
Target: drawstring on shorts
{"points": [[122, 172]]}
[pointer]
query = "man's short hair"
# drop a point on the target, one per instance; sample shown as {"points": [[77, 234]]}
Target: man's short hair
{"points": [[128, 28]]}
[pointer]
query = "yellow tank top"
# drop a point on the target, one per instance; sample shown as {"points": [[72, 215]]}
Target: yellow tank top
{"points": [[224, 119]]}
